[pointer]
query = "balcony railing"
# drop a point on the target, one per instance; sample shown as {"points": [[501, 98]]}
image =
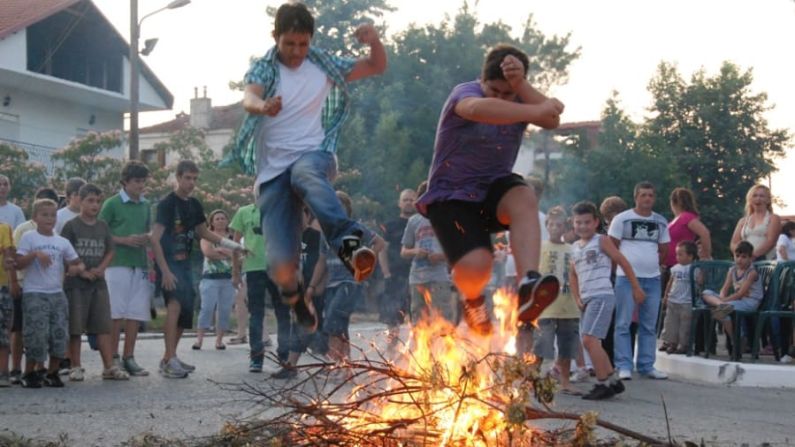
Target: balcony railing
{"points": [[36, 153]]}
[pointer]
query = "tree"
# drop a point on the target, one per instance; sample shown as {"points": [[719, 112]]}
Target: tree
{"points": [[620, 160], [715, 130], [390, 136], [25, 176], [89, 157]]}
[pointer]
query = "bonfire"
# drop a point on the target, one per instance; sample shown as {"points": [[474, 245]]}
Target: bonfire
{"points": [[443, 386]]}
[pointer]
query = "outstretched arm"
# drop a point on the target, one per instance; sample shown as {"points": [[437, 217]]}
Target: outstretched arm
{"points": [[375, 63]]}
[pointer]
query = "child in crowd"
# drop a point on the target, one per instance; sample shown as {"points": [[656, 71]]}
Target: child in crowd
{"points": [[16, 327], [785, 246], [428, 273], [6, 291], [341, 297], [128, 216], [89, 302], [589, 278], [560, 321], [679, 301], [742, 281], [43, 254], [72, 208], [180, 219]]}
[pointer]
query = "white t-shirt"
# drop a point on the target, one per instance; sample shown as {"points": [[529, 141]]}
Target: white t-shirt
{"points": [[11, 214], [50, 279], [64, 215], [680, 292], [640, 236], [298, 127], [786, 242]]}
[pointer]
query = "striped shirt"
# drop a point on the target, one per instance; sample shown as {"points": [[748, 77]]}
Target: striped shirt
{"points": [[593, 268], [265, 72]]}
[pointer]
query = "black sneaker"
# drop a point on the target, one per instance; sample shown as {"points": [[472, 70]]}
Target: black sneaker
{"points": [[30, 380], [617, 386], [53, 380], [600, 392], [359, 259], [536, 293], [476, 316], [15, 377], [285, 373], [305, 314], [64, 367]]}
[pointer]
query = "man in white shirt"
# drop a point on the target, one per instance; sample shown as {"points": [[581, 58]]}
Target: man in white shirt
{"points": [[642, 236], [297, 99]]}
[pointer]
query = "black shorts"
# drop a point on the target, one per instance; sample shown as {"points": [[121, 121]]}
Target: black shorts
{"points": [[184, 294], [463, 226]]}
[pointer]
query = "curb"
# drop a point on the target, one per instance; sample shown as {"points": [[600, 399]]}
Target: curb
{"points": [[722, 372]]}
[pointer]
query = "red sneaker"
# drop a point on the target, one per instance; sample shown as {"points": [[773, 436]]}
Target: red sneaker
{"points": [[536, 293], [476, 316]]}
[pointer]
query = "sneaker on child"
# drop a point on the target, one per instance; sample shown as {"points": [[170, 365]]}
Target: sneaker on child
{"points": [[600, 391], [77, 374], [172, 369], [476, 316], [131, 366], [53, 380]]}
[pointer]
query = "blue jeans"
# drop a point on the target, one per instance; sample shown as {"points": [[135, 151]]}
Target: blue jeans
{"points": [[216, 293], [647, 324], [258, 284], [340, 302], [307, 181]]}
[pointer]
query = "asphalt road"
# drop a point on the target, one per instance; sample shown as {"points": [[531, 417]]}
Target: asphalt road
{"points": [[101, 413]]}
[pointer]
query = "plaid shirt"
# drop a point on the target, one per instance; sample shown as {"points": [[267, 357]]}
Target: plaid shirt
{"points": [[265, 71]]}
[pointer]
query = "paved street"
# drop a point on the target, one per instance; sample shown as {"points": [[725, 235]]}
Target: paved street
{"points": [[106, 413]]}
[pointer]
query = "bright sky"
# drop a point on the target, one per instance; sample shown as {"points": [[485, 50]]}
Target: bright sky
{"points": [[209, 42]]}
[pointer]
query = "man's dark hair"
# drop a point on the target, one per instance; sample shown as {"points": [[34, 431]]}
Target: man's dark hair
{"points": [[690, 248], [293, 18], [73, 186], [642, 185], [581, 208], [46, 193], [491, 66], [88, 189], [187, 166], [744, 248], [133, 169]]}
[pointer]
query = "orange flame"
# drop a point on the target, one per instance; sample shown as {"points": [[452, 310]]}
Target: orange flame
{"points": [[461, 400]]}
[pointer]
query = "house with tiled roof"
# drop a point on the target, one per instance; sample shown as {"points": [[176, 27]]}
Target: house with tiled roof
{"points": [[217, 123], [64, 72]]}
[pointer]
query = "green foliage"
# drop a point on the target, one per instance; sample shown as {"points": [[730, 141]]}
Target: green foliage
{"points": [[389, 137], [88, 157], [715, 130], [620, 160], [25, 176], [708, 134]]}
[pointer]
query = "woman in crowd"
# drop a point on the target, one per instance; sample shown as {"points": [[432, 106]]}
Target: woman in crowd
{"points": [[760, 226]]}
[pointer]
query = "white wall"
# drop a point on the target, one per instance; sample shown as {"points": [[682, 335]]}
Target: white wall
{"points": [[13, 51], [148, 99]]}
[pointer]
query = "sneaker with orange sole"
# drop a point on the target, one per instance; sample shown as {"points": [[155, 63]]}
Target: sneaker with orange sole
{"points": [[536, 293]]}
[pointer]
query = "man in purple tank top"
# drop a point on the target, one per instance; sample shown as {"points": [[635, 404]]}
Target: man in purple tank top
{"points": [[472, 191]]}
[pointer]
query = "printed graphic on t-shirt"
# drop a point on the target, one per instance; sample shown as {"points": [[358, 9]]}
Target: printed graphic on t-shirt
{"points": [[591, 256], [554, 267], [642, 230], [183, 237]]}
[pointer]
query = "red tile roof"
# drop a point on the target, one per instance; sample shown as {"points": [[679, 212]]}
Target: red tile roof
{"points": [[19, 14], [223, 117]]}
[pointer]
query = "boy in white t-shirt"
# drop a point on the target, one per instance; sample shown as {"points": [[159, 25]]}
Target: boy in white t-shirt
{"points": [[45, 328]]}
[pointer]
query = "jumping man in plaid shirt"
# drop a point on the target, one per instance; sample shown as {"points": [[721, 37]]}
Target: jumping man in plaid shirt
{"points": [[297, 100]]}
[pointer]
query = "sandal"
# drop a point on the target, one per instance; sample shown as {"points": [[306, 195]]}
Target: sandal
{"points": [[196, 347], [238, 340], [220, 347], [115, 373]]}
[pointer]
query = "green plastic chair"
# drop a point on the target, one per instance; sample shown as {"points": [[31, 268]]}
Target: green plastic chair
{"points": [[705, 275], [779, 306], [766, 271]]}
